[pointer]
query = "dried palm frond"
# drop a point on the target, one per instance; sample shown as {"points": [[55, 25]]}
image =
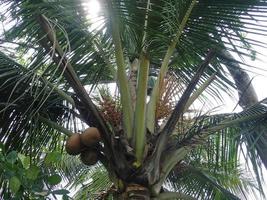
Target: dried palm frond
{"points": [[169, 93]]}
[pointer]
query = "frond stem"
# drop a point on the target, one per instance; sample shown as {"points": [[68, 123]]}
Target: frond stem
{"points": [[56, 126], [121, 74], [140, 109], [164, 68]]}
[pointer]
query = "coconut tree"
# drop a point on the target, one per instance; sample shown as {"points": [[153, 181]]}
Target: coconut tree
{"points": [[149, 135]]}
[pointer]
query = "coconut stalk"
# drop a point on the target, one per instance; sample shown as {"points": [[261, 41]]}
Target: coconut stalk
{"points": [[140, 109], [127, 108], [141, 94]]}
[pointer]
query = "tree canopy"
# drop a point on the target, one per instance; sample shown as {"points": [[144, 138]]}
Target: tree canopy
{"points": [[56, 67]]}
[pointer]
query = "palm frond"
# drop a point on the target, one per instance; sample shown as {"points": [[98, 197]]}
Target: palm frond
{"points": [[84, 181], [25, 97], [210, 184], [224, 142]]}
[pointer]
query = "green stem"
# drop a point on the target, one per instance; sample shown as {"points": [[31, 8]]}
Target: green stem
{"points": [[140, 109], [199, 91], [163, 70], [55, 126], [121, 74], [60, 92], [233, 122], [169, 162]]}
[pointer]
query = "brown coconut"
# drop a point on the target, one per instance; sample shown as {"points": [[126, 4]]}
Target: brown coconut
{"points": [[90, 136], [73, 144], [89, 157]]}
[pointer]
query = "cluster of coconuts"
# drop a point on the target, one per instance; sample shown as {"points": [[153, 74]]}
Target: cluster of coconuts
{"points": [[83, 144]]}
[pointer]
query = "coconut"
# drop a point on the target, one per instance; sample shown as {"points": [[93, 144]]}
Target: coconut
{"points": [[89, 157], [90, 136], [74, 145]]}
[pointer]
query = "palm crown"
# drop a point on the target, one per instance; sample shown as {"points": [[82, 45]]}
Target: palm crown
{"points": [[163, 56]]}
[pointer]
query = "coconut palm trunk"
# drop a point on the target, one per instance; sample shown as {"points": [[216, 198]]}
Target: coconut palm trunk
{"points": [[147, 139]]}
